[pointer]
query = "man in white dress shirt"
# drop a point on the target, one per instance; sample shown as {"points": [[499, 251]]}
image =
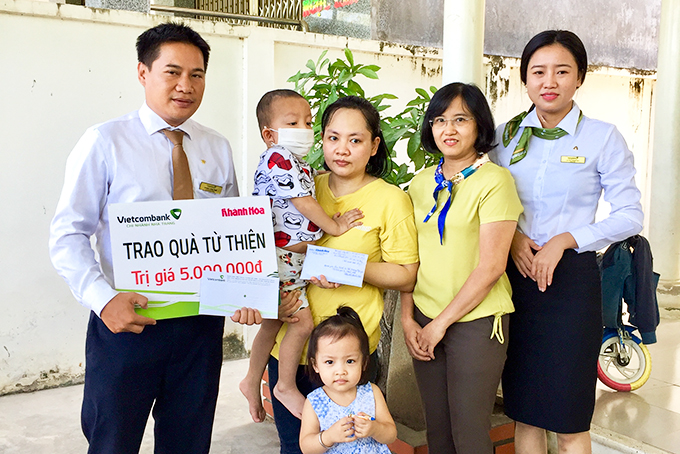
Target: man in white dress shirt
{"points": [[135, 363]]}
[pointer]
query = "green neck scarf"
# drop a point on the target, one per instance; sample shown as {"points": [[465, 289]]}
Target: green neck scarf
{"points": [[512, 127]]}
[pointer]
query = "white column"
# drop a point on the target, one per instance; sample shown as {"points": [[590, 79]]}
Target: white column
{"points": [[463, 41], [664, 212]]}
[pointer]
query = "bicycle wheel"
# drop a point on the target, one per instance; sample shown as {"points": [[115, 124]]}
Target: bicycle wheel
{"points": [[615, 372]]}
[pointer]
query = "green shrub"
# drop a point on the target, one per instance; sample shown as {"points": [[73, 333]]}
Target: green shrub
{"points": [[325, 82]]}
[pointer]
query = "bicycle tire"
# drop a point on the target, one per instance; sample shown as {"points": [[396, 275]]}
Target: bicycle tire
{"points": [[623, 377]]}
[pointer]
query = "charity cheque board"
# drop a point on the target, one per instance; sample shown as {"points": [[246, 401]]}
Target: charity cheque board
{"points": [[162, 249]]}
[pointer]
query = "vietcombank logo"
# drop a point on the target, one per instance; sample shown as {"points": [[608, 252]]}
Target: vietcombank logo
{"points": [[174, 215]]}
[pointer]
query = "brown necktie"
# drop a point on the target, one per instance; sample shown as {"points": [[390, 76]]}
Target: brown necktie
{"points": [[182, 185]]}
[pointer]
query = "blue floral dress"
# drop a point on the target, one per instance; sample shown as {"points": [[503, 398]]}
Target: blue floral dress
{"points": [[329, 413]]}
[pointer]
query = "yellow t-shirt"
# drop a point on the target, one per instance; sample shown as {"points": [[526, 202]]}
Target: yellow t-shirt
{"points": [[388, 234], [488, 195]]}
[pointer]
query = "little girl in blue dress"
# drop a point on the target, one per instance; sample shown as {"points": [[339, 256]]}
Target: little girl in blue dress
{"points": [[347, 414]]}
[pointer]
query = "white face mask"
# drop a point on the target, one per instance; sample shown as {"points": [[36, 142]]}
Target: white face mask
{"points": [[296, 140]]}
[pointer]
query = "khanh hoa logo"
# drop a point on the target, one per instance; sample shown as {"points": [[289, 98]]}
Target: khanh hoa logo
{"points": [[246, 211]]}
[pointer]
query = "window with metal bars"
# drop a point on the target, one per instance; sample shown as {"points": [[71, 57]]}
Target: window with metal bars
{"points": [[278, 9]]}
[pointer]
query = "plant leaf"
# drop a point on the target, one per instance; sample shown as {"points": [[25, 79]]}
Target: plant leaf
{"points": [[339, 65], [356, 88], [323, 54], [416, 102], [371, 74], [332, 98], [378, 98], [349, 56], [399, 122], [415, 152], [315, 157], [422, 93], [344, 76], [295, 77]]}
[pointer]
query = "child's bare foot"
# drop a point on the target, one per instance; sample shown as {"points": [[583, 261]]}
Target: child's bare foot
{"points": [[251, 390], [292, 399]]}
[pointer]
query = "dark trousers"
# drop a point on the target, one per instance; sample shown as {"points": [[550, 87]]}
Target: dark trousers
{"points": [[287, 425], [458, 387], [173, 367]]}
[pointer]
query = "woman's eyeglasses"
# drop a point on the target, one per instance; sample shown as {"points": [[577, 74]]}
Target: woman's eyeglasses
{"points": [[457, 122]]}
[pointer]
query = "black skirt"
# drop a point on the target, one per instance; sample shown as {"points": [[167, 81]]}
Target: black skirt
{"points": [[555, 336]]}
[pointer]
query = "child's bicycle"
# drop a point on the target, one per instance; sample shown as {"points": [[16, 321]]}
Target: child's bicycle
{"points": [[624, 363]]}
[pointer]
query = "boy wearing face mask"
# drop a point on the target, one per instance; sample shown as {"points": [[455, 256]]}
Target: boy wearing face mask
{"points": [[285, 122]]}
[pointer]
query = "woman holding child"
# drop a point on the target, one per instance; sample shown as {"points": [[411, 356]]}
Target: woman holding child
{"points": [[456, 320], [357, 157]]}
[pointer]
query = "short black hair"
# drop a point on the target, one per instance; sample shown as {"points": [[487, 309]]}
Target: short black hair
{"points": [[263, 109], [474, 101], [149, 43], [378, 164], [346, 322], [566, 39]]}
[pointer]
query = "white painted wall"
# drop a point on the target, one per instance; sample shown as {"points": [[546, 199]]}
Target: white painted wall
{"points": [[67, 67]]}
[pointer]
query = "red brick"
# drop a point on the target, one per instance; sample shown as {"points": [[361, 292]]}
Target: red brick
{"points": [[401, 447], [504, 432], [508, 448], [266, 392], [268, 407]]}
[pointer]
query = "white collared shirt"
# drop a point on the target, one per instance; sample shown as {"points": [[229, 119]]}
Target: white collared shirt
{"points": [[127, 159], [560, 181]]}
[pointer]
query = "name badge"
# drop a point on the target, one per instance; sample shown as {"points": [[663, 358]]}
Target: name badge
{"points": [[573, 159], [207, 187]]}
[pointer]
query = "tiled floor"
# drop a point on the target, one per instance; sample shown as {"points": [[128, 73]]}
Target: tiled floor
{"points": [[650, 414], [48, 421]]}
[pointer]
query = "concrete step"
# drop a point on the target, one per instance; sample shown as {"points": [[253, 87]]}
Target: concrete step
{"points": [[608, 442]]}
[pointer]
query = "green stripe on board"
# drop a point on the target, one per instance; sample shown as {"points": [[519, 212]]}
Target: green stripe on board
{"points": [[179, 309], [160, 292]]}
